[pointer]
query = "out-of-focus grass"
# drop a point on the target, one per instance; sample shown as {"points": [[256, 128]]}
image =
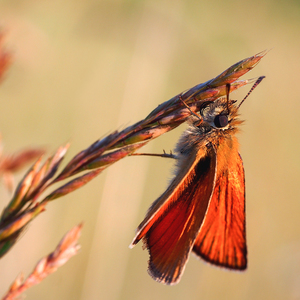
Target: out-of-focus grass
{"points": [[83, 69]]}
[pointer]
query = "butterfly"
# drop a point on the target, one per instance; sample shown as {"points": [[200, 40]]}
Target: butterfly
{"points": [[203, 209]]}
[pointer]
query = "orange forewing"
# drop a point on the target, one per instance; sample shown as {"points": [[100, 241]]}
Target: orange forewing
{"points": [[222, 238], [173, 222]]}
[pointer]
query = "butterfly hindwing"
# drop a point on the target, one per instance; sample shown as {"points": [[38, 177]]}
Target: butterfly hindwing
{"points": [[222, 238]]}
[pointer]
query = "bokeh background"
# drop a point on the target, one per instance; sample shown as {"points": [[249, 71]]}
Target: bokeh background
{"points": [[82, 69]]}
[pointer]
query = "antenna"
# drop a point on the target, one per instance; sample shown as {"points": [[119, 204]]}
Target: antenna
{"points": [[227, 95], [257, 82]]}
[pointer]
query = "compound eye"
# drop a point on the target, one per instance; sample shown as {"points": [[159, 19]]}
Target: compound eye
{"points": [[221, 121]]}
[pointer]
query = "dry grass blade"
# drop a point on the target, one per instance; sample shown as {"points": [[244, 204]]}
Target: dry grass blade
{"points": [[24, 206], [73, 185], [107, 159], [47, 173], [99, 164], [93, 151], [11, 230], [67, 248], [15, 162], [16, 203]]}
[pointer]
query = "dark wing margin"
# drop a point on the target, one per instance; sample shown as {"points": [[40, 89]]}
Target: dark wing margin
{"points": [[170, 235], [222, 238]]}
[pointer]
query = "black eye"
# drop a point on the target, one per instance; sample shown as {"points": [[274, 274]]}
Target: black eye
{"points": [[221, 121]]}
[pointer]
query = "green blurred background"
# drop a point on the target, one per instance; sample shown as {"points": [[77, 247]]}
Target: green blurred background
{"points": [[82, 69]]}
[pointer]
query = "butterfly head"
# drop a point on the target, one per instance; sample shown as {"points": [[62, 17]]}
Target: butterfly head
{"points": [[218, 115], [222, 114]]}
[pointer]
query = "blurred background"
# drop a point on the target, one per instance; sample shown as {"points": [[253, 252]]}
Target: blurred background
{"points": [[82, 69]]}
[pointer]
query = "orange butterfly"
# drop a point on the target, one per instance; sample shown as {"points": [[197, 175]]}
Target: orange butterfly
{"points": [[203, 209]]}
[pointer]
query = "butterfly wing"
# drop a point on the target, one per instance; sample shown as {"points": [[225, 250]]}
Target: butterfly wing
{"points": [[222, 238], [174, 220]]}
